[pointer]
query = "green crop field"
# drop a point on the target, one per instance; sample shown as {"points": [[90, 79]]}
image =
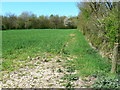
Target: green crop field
{"points": [[19, 44], [30, 41]]}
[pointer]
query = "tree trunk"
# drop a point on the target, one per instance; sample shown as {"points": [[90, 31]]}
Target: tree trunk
{"points": [[115, 57]]}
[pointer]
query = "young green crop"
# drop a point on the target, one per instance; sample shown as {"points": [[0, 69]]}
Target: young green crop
{"points": [[19, 41], [19, 44]]}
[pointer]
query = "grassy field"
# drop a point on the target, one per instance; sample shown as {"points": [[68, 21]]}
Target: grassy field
{"points": [[21, 44]]}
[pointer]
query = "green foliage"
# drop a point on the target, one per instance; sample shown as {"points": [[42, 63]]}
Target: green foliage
{"points": [[7, 65], [106, 82], [111, 27], [59, 70], [69, 86], [70, 77], [86, 13], [70, 69], [58, 60]]}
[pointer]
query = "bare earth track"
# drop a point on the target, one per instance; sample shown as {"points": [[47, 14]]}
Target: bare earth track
{"points": [[42, 72]]}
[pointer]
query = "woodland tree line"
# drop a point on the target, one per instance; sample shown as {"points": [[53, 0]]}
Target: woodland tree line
{"points": [[28, 20], [99, 22]]}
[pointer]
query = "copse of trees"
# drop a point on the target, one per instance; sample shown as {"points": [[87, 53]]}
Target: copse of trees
{"points": [[28, 20], [99, 22]]}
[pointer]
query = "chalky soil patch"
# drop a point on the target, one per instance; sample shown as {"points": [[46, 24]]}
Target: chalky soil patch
{"points": [[42, 72]]}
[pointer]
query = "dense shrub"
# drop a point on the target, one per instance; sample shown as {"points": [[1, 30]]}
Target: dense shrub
{"points": [[98, 21]]}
